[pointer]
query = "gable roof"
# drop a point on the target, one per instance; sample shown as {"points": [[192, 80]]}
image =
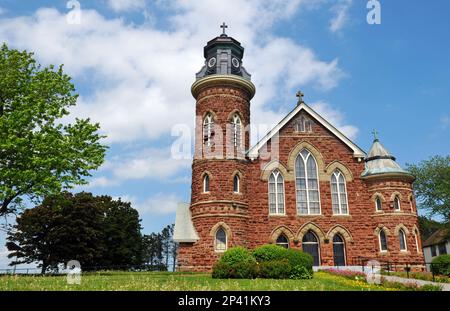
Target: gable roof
{"points": [[437, 237], [357, 151]]}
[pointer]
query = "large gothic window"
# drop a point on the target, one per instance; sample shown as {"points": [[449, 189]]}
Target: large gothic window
{"points": [[339, 193], [310, 245], [237, 130], [276, 193], [208, 130], [307, 184], [221, 240]]}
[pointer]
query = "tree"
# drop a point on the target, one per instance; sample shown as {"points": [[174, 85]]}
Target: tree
{"points": [[429, 226], [96, 231], [432, 185], [39, 154]]}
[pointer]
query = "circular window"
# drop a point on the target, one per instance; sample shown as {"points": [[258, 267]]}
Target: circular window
{"points": [[211, 62], [235, 62]]}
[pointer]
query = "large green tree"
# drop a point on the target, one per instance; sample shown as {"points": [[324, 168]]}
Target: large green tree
{"points": [[96, 231], [432, 185], [39, 153]]}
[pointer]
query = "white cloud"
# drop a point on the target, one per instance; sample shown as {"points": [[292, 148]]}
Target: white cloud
{"points": [[141, 75], [159, 203], [156, 164], [340, 11], [336, 118], [126, 5]]}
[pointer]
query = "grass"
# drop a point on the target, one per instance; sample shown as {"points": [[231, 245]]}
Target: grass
{"points": [[167, 281]]}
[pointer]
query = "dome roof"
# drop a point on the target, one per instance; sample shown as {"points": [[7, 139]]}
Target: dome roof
{"points": [[380, 161]]}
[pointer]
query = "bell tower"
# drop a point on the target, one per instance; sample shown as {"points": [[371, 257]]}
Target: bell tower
{"points": [[219, 206]]}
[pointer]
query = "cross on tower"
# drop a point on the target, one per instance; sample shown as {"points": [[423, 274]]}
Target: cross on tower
{"points": [[375, 135], [224, 26], [300, 97]]}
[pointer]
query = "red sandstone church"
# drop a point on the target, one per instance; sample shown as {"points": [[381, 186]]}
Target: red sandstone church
{"points": [[304, 185]]}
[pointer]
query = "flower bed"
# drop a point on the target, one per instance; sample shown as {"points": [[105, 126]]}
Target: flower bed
{"points": [[426, 276]]}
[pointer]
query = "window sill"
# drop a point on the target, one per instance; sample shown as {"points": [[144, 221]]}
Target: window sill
{"points": [[309, 215], [277, 215], [219, 251], [341, 215]]}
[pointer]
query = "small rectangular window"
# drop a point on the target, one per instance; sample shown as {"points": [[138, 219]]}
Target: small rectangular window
{"points": [[442, 249], [433, 251]]}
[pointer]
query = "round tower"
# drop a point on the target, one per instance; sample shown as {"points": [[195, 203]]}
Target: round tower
{"points": [[223, 91], [395, 217]]}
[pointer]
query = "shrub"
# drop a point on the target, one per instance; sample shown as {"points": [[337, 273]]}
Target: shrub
{"points": [[299, 258], [269, 252], [300, 272], [237, 255], [441, 265], [275, 269], [235, 263]]}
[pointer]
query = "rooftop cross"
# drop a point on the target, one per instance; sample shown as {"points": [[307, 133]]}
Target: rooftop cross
{"points": [[300, 97], [375, 135], [224, 26]]}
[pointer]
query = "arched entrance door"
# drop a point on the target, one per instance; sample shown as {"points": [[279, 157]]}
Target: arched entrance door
{"points": [[338, 250], [310, 245]]}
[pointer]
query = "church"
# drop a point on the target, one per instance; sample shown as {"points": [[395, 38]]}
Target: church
{"points": [[304, 185]]}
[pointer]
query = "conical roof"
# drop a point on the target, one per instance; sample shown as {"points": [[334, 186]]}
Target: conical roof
{"points": [[380, 161]]}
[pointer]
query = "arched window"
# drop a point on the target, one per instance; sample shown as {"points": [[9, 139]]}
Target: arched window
{"points": [[402, 240], [303, 125], [237, 130], [276, 193], [208, 130], [221, 240], [307, 184], [383, 241], [378, 204], [339, 193], [282, 241], [338, 250], [416, 235], [206, 183], [236, 183], [310, 245], [397, 203]]}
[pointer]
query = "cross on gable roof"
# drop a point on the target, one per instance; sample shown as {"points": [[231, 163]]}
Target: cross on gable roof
{"points": [[253, 153]]}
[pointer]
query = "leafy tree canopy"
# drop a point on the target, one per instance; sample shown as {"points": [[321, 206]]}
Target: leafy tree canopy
{"points": [[96, 231], [39, 154], [432, 186]]}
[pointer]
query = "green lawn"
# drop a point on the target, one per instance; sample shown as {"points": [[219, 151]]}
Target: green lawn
{"points": [[160, 281]]}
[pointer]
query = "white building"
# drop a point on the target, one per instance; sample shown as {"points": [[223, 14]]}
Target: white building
{"points": [[437, 244]]}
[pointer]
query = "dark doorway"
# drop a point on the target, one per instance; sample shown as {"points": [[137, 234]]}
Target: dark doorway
{"points": [[338, 250], [310, 245]]}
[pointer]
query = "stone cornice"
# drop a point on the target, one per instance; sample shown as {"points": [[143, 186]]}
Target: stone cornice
{"points": [[212, 80]]}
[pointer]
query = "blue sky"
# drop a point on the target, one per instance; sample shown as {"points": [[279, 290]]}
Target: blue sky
{"points": [[133, 63]]}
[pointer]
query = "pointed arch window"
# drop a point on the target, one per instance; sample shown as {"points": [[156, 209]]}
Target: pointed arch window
{"points": [[338, 250], [383, 241], [397, 203], [402, 240], [303, 125], [237, 130], [282, 241], [236, 183], [378, 204], [339, 193], [276, 193], [307, 184], [220, 240], [208, 130], [206, 183], [416, 239]]}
